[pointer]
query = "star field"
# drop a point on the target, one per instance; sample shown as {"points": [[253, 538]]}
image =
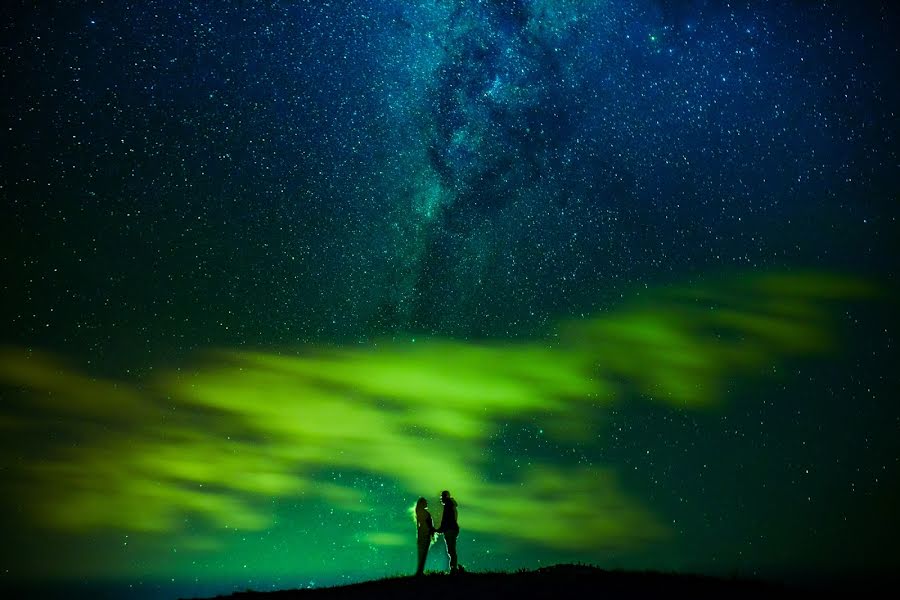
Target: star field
{"points": [[272, 270]]}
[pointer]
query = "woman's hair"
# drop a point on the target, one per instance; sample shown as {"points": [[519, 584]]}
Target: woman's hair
{"points": [[421, 516], [420, 510]]}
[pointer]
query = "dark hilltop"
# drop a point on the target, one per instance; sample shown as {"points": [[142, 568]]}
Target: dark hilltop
{"points": [[548, 582]]}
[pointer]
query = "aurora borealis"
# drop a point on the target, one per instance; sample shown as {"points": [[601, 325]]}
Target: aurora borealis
{"points": [[620, 275]]}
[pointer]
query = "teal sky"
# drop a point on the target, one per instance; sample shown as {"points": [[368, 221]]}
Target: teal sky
{"points": [[620, 275]]}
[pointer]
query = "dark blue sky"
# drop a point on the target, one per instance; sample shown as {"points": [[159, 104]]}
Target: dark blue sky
{"points": [[179, 177]]}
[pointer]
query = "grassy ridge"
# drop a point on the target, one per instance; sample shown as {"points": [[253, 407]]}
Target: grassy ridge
{"points": [[561, 581]]}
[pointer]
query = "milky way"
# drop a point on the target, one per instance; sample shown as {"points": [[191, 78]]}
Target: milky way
{"points": [[272, 270]]}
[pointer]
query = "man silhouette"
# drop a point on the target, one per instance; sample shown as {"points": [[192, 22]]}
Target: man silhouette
{"points": [[450, 528]]}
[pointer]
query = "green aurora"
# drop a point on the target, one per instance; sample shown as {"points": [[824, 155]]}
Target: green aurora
{"points": [[216, 446], [620, 275]]}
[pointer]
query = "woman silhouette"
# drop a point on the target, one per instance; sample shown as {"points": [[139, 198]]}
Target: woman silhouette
{"points": [[424, 532]]}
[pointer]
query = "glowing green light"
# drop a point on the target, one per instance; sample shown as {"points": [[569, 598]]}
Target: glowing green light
{"points": [[247, 427]]}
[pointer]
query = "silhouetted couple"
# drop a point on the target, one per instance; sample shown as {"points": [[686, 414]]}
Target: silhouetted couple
{"points": [[426, 532]]}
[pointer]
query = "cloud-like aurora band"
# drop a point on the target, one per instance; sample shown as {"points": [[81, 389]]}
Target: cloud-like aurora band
{"points": [[220, 439]]}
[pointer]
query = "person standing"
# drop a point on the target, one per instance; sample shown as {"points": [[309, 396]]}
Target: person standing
{"points": [[424, 533], [450, 528]]}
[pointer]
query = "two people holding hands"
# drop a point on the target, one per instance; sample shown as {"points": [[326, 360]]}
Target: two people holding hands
{"points": [[426, 531]]}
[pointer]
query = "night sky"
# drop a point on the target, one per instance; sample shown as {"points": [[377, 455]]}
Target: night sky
{"points": [[621, 275]]}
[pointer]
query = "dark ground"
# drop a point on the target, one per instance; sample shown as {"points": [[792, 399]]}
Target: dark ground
{"points": [[561, 581]]}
